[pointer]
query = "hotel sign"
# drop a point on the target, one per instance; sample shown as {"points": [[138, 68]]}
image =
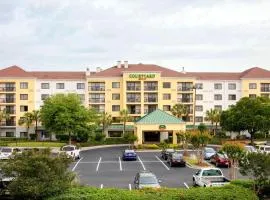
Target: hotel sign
{"points": [[142, 76]]}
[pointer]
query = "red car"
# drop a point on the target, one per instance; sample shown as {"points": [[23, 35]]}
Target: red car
{"points": [[220, 159]]}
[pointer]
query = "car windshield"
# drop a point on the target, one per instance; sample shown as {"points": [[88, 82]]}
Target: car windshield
{"points": [[267, 149], [148, 180], [68, 148], [6, 150], [212, 172], [222, 155], [177, 156], [209, 150]]}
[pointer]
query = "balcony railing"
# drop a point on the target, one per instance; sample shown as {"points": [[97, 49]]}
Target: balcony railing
{"points": [[179, 88], [97, 88], [7, 89], [146, 111], [150, 88], [11, 112], [7, 100], [150, 99], [134, 112], [133, 88], [265, 89], [185, 100], [136, 99], [8, 123], [95, 100]]}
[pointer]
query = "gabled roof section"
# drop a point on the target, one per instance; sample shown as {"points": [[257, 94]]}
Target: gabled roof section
{"points": [[215, 75], [118, 72], [159, 117], [255, 72], [14, 71]]}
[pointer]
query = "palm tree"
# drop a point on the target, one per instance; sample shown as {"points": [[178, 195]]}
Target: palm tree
{"points": [[26, 120], [3, 116], [105, 120], [124, 117], [217, 119], [36, 118], [213, 115], [180, 111]]}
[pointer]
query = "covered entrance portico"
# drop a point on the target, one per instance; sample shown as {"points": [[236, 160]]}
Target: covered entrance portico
{"points": [[158, 126]]}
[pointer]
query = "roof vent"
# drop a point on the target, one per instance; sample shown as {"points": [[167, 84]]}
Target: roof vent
{"points": [[119, 64], [183, 70], [126, 64], [87, 73], [99, 69]]}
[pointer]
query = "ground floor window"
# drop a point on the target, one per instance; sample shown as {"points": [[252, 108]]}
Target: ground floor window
{"points": [[23, 134], [115, 134], [10, 134]]}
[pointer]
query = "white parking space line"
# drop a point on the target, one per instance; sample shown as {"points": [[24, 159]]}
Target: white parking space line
{"points": [[94, 162], [129, 186], [120, 164], [73, 169], [186, 185], [163, 163], [98, 163], [101, 186], [141, 163]]}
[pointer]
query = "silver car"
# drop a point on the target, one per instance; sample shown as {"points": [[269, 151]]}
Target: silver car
{"points": [[208, 152], [146, 179]]}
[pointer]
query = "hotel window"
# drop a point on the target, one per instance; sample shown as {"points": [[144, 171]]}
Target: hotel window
{"points": [[98, 108], [44, 96], [217, 97], [80, 86], [166, 96], [199, 108], [115, 108], [166, 85], [60, 86], [198, 119], [218, 86], [265, 95], [10, 134], [232, 86], [265, 87], [232, 97], [45, 86], [199, 86], [24, 85], [82, 97], [218, 107], [115, 84], [253, 96], [166, 107], [252, 85], [199, 97], [23, 96], [23, 108], [97, 86], [116, 96]]}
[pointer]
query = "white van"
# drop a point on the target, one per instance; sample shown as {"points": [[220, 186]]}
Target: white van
{"points": [[264, 149]]}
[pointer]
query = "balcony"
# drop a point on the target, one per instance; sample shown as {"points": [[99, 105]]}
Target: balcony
{"points": [[133, 88], [184, 89], [7, 100], [150, 99], [97, 100], [7, 89], [151, 88], [97, 88], [134, 100], [8, 123], [265, 89], [11, 112], [185, 100], [134, 112]]}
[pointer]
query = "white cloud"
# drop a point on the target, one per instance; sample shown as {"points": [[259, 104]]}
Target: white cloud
{"points": [[201, 35]]}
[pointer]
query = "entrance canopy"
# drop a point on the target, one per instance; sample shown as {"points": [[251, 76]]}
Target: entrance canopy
{"points": [[158, 122]]}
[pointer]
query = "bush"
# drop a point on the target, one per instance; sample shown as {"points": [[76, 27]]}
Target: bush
{"points": [[147, 146], [33, 136], [260, 135], [216, 140], [99, 137], [218, 193], [62, 137], [249, 184]]}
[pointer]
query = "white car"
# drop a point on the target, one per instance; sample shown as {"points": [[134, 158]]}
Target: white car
{"points": [[71, 151], [264, 149], [8, 152], [250, 149]]}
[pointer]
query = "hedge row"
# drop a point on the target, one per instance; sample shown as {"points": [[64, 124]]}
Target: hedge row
{"points": [[229, 192]]}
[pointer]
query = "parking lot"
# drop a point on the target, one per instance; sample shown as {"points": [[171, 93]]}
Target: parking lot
{"points": [[105, 168]]}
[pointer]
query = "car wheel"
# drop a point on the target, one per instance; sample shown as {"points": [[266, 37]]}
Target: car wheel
{"points": [[194, 183], [170, 164]]}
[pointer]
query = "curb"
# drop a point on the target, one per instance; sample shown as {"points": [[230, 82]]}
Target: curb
{"points": [[103, 146]]}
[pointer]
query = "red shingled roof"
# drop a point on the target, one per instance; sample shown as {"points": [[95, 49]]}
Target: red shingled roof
{"points": [[59, 75], [14, 71], [116, 72], [215, 75], [255, 72]]}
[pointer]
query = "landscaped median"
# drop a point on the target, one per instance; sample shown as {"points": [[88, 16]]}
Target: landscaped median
{"points": [[226, 192]]}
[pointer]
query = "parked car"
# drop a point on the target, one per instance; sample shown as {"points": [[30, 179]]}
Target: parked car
{"points": [[4, 182], [220, 159], [208, 152], [129, 154], [71, 151], [166, 152], [264, 149], [8, 152], [209, 177], [176, 159], [146, 179], [250, 149]]}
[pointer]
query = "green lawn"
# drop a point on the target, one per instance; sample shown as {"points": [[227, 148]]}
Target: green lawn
{"points": [[36, 144]]}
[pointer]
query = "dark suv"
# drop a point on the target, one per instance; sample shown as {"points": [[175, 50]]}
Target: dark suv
{"points": [[176, 159], [166, 152]]}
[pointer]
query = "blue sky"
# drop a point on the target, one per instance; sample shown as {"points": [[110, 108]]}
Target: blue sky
{"points": [[200, 35]]}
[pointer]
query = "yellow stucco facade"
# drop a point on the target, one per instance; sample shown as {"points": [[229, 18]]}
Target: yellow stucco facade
{"points": [[252, 87]]}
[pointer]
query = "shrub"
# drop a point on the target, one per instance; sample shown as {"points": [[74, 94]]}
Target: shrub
{"points": [[147, 146], [99, 137], [33, 136], [219, 193], [249, 184], [62, 137]]}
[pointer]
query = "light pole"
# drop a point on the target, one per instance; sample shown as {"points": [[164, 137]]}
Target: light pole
{"points": [[194, 110]]}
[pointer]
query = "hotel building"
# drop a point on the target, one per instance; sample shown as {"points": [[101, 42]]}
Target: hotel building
{"points": [[139, 88]]}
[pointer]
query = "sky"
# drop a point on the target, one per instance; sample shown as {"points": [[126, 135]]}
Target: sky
{"points": [[200, 35]]}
